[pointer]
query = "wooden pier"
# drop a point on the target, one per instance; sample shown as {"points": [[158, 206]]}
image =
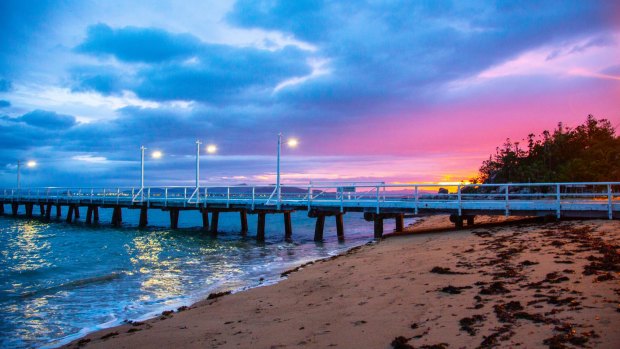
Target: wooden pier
{"points": [[377, 202]]}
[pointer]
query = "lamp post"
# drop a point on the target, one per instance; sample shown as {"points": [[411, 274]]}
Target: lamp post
{"points": [[156, 155], [292, 142], [19, 166], [198, 143]]}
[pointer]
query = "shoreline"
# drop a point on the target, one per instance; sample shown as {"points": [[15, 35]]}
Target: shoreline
{"points": [[193, 325]]}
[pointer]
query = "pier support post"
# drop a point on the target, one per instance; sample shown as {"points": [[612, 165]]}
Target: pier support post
{"points": [[400, 222], [340, 226], [174, 218], [117, 216], [42, 210], [14, 209], [58, 211], [470, 220], [29, 208], [215, 219], [70, 213], [143, 217], [76, 211], [260, 229], [96, 214], [457, 220], [243, 216], [378, 219], [89, 214], [288, 226], [48, 212], [318, 228], [1, 207], [205, 219]]}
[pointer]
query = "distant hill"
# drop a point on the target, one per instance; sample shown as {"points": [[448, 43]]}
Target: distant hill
{"points": [[587, 153]]}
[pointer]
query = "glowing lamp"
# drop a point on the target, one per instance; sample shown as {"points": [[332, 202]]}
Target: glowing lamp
{"points": [[293, 142], [31, 164], [211, 149], [157, 154]]}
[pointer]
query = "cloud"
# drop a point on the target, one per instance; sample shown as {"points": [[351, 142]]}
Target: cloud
{"points": [[132, 44], [48, 120], [4, 104]]}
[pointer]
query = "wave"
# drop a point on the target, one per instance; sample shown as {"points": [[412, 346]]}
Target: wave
{"points": [[72, 285]]}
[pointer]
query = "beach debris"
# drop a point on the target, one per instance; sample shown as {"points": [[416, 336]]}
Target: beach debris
{"points": [[415, 325], [447, 271], [435, 346], [133, 329], [218, 294], [109, 335], [491, 341], [167, 313], [527, 263], [494, 289], [468, 324], [400, 342], [82, 342], [568, 334], [287, 272], [454, 289], [183, 308], [482, 234]]}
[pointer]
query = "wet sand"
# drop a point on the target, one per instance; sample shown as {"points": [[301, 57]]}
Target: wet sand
{"points": [[497, 284]]}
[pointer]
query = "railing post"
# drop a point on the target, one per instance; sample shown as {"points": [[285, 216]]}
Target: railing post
{"points": [[557, 198], [148, 196], [206, 196], [309, 197], [458, 195], [342, 199], [227, 197], [118, 195], [253, 197], [184, 196], [165, 197], [416, 199], [92, 191], [104, 195], [610, 212], [378, 199], [507, 198]]}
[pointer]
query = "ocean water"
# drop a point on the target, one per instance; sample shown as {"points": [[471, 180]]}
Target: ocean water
{"points": [[59, 281]]}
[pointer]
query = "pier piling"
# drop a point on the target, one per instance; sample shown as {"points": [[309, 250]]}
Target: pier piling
{"points": [[29, 208], [378, 220], [400, 222], [48, 212], [340, 226], [58, 211], [14, 208], [174, 218], [260, 229], [288, 226], [143, 217], [42, 210], [117, 216], [76, 211], [215, 218], [89, 214], [205, 219], [96, 214], [319, 227], [243, 217], [2, 208], [70, 213]]}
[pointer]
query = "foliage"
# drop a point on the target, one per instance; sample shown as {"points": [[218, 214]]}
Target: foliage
{"points": [[588, 153]]}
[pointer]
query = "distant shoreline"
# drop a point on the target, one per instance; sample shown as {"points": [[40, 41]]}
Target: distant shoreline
{"points": [[515, 283]]}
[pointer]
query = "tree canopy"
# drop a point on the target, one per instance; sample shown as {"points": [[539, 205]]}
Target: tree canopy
{"points": [[587, 153]]}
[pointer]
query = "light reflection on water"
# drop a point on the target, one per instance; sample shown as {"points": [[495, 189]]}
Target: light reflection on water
{"points": [[57, 279]]}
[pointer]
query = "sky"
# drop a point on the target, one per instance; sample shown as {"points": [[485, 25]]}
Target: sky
{"points": [[394, 91]]}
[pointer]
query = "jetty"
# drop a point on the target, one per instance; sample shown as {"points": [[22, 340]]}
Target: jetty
{"points": [[376, 200]]}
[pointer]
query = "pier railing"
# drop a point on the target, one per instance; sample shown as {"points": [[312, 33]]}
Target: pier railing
{"points": [[555, 197]]}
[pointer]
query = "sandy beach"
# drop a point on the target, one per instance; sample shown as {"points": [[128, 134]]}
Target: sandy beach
{"points": [[517, 283]]}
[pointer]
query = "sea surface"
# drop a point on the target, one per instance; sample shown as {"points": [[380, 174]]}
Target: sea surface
{"points": [[59, 281]]}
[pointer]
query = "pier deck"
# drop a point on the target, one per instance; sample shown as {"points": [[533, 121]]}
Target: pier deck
{"points": [[377, 201]]}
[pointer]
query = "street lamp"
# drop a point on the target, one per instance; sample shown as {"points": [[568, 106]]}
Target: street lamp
{"points": [[30, 163], [291, 142], [211, 149], [156, 155]]}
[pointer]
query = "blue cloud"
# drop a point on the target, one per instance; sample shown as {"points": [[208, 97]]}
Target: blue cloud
{"points": [[48, 120], [132, 44], [4, 104], [103, 79]]}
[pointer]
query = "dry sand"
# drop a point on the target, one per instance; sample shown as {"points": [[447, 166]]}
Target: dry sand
{"points": [[516, 284]]}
